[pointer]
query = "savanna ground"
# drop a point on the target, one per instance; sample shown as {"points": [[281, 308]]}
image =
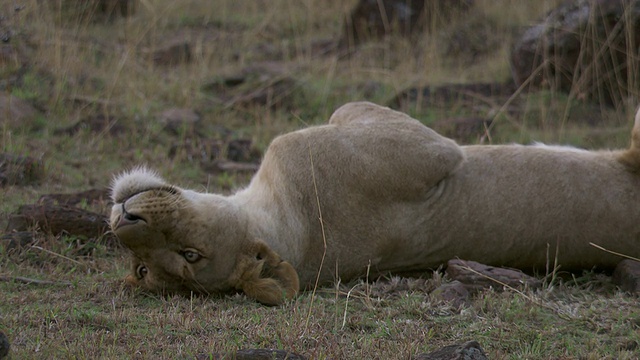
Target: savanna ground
{"points": [[79, 69]]}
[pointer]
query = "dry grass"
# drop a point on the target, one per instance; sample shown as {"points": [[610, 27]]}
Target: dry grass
{"points": [[80, 69]]}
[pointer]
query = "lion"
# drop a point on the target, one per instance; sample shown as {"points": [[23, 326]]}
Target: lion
{"points": [[375, 191]]}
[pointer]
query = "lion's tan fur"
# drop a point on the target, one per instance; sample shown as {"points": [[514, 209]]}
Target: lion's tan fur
{"points": [[375, 190]]}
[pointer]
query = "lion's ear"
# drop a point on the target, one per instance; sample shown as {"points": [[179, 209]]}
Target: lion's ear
{"points": [[261, 275]]}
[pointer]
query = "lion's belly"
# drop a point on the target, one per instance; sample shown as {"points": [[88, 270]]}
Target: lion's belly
{"points": [[526, 209], [518, 208]]}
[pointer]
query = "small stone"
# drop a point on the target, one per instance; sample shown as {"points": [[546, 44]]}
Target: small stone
{"points": [[627, 276], [455, 293], [470, 350]]}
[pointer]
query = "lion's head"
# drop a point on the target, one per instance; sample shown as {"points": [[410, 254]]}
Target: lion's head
{"points": [[184, 241]]}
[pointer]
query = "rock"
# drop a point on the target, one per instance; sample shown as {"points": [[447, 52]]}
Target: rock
{"points": [[20, 170], [58, 219], [372, 19], [16, 240], [254, 354], [179, 120], [627, 276], [451, 94], [17, 113], [470, 350], [471, 272], [173, 53], [91, 196], [4, 345], [582, 48], [468, 41], [455, 293]]}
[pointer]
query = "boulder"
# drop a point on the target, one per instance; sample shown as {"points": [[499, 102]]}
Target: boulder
{"points": [[59, 219], [91, 196], [627, 276], [372, 19], [587, 48]]}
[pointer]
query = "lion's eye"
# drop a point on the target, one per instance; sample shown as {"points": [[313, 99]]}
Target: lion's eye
{"points": [[191, 256], [141, 271]]}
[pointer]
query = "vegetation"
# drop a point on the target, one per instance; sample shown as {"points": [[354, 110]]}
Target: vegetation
{"points": [[75, 67]]}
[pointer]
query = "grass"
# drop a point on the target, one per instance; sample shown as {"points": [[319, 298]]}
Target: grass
{"points": [[79, 69]]}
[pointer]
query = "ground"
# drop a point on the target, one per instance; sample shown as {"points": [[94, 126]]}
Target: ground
{"points": [[249, 70]]}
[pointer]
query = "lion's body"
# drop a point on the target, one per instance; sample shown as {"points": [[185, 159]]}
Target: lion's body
{"points": [[375, 191]]}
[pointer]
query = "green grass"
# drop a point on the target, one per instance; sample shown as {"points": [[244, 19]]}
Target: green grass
{"points": [[81, 69]]}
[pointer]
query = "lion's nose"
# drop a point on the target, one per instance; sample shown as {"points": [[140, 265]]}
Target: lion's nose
{"points": [[128, 218]]}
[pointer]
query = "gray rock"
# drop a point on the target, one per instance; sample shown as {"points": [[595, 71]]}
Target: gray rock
{"points": [[474, 273], [627, 276], [372, 19], [455, 293], [470, 350], [581, 48]]}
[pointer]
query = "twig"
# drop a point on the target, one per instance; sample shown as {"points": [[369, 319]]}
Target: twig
{"points": [[324, 241], [613, 252], [64, 257], [346, 304], [56, 254], [25, 280]]}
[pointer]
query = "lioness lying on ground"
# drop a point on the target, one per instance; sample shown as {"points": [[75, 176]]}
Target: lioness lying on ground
{"points": [[376, 191]]}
